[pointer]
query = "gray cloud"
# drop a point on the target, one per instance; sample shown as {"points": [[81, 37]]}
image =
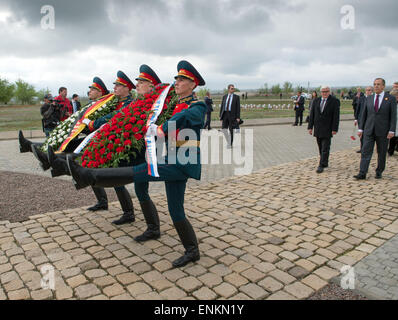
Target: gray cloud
{"points": [[249, 40]]}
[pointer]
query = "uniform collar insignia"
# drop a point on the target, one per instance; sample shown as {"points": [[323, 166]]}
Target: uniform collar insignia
{"points": [[188, 100]]}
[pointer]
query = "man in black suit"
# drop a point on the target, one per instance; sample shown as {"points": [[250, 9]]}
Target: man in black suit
{"points": [[324, 118], [230, 113], [359, 107], [377, 124], [355, 100], [299, 108]]}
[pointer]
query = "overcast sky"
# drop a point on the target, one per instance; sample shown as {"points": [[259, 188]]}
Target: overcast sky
{"points": [[247, 43]]}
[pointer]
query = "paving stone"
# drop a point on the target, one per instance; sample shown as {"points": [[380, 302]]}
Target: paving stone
{"points": [[254, 291], [299, 290], [253, 274], [76, 281], [138, 288], [225, 290], [113, 290], [211, 280], [189, 284], [270, 284], [298, 272], [326, 273], [282, 276], [104, 281], [220, 269], [86, 291], [22, 294], [174, 293], [95, 273], [42, 294], [204, 294]]}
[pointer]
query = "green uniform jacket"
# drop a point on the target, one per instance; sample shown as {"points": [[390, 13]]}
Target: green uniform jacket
{"points": [[190, 118]]}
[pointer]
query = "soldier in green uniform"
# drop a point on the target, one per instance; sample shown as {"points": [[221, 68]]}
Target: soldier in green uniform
{"points": [[173, 171], [145, 81]]}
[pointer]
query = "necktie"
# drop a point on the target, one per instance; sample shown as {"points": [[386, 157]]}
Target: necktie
{"points": [[377, 103], [323, 104], [227, 106]]}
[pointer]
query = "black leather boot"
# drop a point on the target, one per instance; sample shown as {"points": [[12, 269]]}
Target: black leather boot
{"points": [[25, 145], [57, 163], [41, 156], [152, 221], [188, 239], [127, 206], [102, 199], [106, 177]]}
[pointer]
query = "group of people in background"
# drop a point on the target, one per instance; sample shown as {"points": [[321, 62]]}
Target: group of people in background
{"points": [[375, 113], [55, 110]]}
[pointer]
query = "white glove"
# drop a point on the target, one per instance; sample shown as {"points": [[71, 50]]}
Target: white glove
{"points": [[152, 130], [86, 121]]}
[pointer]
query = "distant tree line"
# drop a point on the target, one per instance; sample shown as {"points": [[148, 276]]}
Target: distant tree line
{"points": [[21, 91]]}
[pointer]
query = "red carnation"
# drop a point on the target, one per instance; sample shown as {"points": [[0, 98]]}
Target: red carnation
{"points": [[120, 149], [102, 150], [109, 155], [127, 142], [128, 126], [141, 122], [138, 136], [120, 123], [117, 141], [110, 146], [118, 131], [126, 134], [112, 137], [143, 116], [135, 129], [106, 127], [118, 115], [84, 163], [133, 120]]}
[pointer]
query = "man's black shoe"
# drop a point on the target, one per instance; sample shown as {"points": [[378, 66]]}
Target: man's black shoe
{"points": [[148, 235], [319, 170], [360, 176], [359, 151], [378, 175], [98, 206], [125, 218], [294, 125]]}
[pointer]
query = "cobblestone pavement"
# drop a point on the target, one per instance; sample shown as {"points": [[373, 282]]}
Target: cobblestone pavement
{"points": [[282, 232], [376, 276]]}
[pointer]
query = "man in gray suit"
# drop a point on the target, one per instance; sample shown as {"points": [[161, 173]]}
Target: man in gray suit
{"points": [[377, 124]]}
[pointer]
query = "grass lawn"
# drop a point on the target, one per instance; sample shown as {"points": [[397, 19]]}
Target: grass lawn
{"points": [[15, 117]]}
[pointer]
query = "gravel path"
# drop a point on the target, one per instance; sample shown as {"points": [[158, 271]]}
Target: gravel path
{"points": [[23, 195], [334, 292]]}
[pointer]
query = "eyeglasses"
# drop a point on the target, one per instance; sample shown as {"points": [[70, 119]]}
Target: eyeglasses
{"points": [[325, 91]]}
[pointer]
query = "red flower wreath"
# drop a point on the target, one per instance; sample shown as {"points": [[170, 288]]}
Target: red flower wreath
{"points": [[123, 134]]}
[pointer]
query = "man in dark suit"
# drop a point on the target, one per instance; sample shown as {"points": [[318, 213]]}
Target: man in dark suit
{"points": [[324, 118], [299, 108], [355, 100], [377, 125], [359, 107], [230, 113]]}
